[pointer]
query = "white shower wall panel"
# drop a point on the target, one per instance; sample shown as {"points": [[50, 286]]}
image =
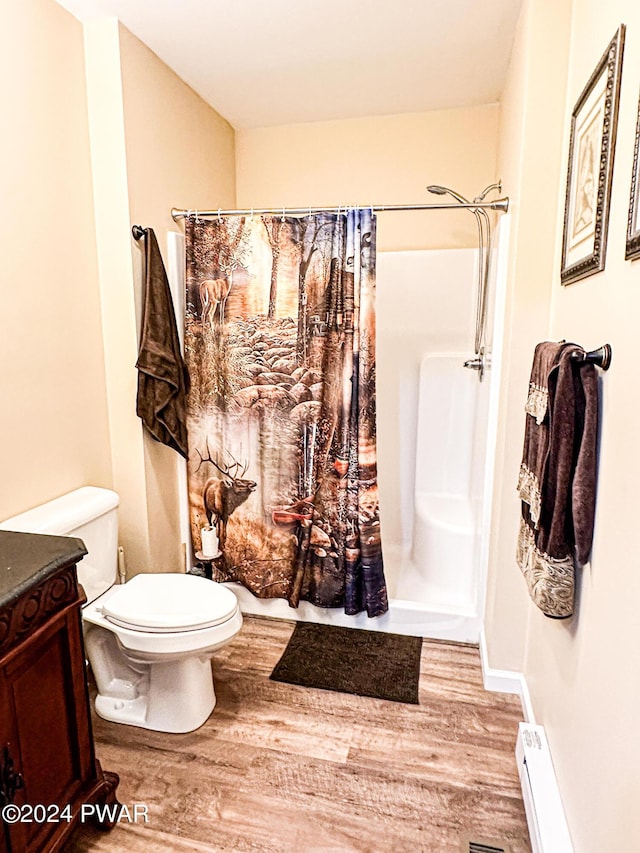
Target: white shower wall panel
{"points": [[447, 397], [425, 304], [443, 549]]}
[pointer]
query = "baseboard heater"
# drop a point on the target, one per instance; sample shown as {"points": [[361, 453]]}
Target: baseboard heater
{"points": [[545, 816]]}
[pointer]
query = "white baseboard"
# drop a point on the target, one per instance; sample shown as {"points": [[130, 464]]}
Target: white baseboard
{"points": [[548, 830], [505, 681], [546, 820]]}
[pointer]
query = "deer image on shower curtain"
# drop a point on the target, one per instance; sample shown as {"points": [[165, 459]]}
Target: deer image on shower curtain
{"points": [[280, 346]]}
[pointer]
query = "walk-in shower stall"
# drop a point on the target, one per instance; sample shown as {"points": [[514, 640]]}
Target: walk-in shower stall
{"points": [[436, 439]]}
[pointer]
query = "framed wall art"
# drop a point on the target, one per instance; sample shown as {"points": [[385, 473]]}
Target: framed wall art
{"points": [[591, 151], [633, 229]]}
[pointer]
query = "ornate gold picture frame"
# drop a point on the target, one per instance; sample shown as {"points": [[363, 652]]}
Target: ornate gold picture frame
{"points": [[633, 228], [591, 151]]}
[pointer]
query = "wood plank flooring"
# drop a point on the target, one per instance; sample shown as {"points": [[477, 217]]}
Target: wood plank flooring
{"points": [[284, 769]]}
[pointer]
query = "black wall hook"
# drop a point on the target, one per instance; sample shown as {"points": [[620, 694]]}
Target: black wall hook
{"points": [[138, 231], [601, 357]]}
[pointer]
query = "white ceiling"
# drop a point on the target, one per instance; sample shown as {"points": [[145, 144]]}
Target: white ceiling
{"points": [[271, 62]]}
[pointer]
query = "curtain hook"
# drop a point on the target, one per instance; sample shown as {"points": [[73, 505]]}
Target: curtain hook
{"points": [[197, 220], [219, 217], [282, 220], [252, 212]]}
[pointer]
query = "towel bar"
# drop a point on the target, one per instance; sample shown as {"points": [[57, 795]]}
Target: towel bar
{"points": [[601, 357]]}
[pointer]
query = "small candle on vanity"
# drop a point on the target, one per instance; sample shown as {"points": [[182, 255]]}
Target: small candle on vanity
{"points": [[209, 540]]}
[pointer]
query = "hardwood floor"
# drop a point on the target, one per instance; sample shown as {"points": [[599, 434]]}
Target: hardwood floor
{"points": [[295, 770]]}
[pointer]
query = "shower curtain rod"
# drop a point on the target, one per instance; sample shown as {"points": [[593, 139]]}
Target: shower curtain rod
{"points": [[500, 204]]}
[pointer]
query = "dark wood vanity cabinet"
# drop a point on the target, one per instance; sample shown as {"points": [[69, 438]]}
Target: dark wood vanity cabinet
{"points": [[48, 769]]}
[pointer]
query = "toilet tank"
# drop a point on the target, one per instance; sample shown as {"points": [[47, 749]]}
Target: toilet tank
{"points": [[90, 514]]}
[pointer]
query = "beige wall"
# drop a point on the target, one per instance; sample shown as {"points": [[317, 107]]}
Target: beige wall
{"points": [[103, 134], [378, 160], [180, 153], [52, 382], [155, 144], [530, 163], [596, 656], [581, 673]]}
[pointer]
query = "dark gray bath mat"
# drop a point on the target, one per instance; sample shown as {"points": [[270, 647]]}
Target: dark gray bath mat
{"points": [[367, 663]]}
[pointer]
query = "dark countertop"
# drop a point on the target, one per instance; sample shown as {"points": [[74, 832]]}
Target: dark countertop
{"points": [[28, 559]]}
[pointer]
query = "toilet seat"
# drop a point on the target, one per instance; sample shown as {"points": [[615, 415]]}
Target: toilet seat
{"points": [[169, 603]]}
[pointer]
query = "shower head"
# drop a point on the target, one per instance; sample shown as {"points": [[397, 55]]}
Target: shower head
{"points": [[438, 190]]}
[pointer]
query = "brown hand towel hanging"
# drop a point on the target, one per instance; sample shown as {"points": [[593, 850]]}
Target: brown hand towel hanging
{"points": [[557, 481], [163, 380]]}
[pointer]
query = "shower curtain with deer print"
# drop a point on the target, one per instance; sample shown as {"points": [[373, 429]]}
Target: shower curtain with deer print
{"points": [[280, 346]]}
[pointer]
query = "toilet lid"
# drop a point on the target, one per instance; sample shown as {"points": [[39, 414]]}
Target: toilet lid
{"points": [[169, 602]]}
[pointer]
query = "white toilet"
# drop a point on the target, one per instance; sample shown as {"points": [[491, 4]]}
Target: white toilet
{"points": [[149, 641]]}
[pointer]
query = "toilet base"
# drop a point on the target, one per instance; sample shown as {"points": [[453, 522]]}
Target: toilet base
{"points": [[158, 681], [177, 697]]}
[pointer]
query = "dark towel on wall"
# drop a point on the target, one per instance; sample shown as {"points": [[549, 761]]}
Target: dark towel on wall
{"points": [[163, 380], [557, 481]]}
